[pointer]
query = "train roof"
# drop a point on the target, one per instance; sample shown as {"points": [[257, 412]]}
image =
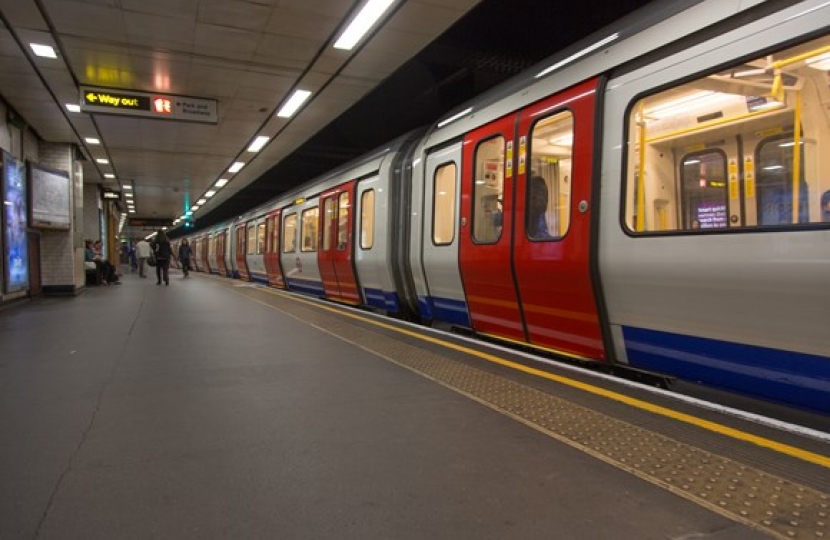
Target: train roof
{"points": [[354, 169], [656, 25]]}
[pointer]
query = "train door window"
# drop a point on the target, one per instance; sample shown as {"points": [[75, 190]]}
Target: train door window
{"points": [[488, 190], [774, 183], [343, 221], [240, 240], [309, 229], [770, 107], [251, 240], [367, 219], [328, 222], [260, 238], [275, 236], [443, 217], [548, 206], [704, 193], [289, 233]]}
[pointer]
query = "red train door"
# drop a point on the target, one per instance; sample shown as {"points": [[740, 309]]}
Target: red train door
{"points": [[552, 246], [335, 255], [241, 247], [220, 254], [526, 225], [272, 250], [486, 230]]}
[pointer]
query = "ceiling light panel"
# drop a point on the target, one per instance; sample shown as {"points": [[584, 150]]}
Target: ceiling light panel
{"points": [[44, 51], [362, 23], [294, 103], [259, 143]]}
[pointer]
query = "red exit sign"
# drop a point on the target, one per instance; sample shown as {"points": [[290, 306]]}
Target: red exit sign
{"points": [[162, 105]]}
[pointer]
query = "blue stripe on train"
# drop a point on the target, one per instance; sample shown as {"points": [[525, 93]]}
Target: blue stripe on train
{"points": [[259, 278], [785, 376], [382, 300], [306, 286], [444, 309]]}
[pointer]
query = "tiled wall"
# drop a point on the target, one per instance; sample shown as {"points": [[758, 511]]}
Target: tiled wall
{"points": [[57, 248]]}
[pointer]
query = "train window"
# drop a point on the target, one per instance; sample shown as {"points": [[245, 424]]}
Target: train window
{"points": [[443, 217], [343, 221], [740, 148], [367, 219], [275, 236], [309, 229], [774, 183], [260, 238], [704, 192], [488, 190], [328, 222], [289, 234], [251, 240], [548, 215], [240, 240]]}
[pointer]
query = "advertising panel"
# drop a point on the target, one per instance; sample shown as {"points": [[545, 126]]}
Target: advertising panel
{"points": [[15, 258]]}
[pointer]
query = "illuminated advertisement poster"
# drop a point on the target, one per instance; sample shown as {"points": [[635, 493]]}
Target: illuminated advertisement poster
{"points": [[15, 258]]}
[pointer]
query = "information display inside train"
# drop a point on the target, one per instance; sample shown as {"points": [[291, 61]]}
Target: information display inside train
{"points": [[162, 106]]}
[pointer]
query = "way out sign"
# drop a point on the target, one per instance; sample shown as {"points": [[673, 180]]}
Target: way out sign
{"points": [[148, 105]]}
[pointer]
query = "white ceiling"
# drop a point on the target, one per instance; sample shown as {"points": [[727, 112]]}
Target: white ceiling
{"points": [[248, 55]]}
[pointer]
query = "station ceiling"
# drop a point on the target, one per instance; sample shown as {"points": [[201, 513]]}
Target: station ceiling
{"points": [[423, 59]]}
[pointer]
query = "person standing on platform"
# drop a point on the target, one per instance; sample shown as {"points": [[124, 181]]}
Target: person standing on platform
{"points": [[185, 252], [161, 246], [143, 251], [133, 258]]}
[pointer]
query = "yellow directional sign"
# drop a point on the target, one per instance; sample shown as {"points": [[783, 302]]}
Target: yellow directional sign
{"points": [[162, 106]]}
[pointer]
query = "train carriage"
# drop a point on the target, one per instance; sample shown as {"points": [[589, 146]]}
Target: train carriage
{"points": [[711, 236]]}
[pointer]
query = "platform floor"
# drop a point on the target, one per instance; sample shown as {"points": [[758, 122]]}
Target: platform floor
{"points": [[213, 409]]}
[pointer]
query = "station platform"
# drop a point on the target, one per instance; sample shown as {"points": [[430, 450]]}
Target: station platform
{"points": [[213, 408]]}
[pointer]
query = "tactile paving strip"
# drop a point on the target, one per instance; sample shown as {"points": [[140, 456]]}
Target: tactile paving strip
{"points": [[767, 502]]}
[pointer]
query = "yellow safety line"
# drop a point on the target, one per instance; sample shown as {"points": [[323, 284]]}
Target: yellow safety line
{"points": [[763, 442]]}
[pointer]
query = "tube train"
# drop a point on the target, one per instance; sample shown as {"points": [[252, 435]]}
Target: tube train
{"points": [[656, 198]]}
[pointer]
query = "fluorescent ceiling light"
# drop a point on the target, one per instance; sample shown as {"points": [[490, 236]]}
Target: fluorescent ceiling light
{"points": [[201, 201], [259, 143], [92, 140], [194, 208], [188, 213], [71, 107], [110, 175], [210, 194], [294, 103], [455, 117], [126, 186], [221, 182], [102, 161], [821, 62], [362, 23], [44, 51], [132, 211], [183, 216], [580, 54], [128, 195], [236, 167], [164, 228]]}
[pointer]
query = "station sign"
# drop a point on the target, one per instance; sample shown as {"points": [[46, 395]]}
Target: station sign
{"points": [[149, 222], [148, 105]]}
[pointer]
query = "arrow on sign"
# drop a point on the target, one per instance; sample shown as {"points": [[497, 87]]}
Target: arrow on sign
{"points": [[91, 97]]}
